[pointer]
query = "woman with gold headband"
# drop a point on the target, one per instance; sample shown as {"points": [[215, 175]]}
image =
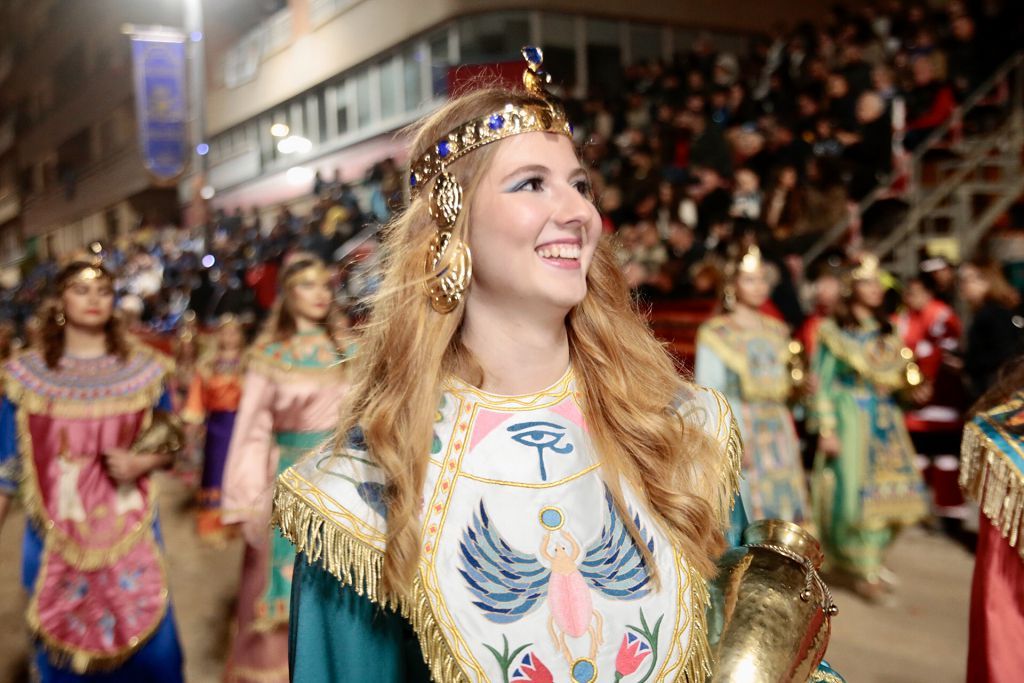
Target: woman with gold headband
{"points": [[522, 489], [865, 485], [291, 393], [74, 410], [210, 409], [750, 358]]}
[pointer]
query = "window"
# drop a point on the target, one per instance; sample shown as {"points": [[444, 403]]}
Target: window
{"points": [[389, 88], [412, 77], [604, 57], [558, 37], [644, 43], [493, 37], [439, 64], [364, 105]]}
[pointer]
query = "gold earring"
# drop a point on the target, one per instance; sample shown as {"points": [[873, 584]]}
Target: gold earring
{"points": [[449, 263], [729, 298], [59, 318]]}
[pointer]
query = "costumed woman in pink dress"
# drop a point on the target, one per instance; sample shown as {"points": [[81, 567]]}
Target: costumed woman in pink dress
{"points": [[92, 560], [291, 394]]}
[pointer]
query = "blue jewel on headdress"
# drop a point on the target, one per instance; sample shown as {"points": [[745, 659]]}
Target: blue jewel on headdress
{"points": [[533, 55], [496, 121], [443, 149], [412, 179]]}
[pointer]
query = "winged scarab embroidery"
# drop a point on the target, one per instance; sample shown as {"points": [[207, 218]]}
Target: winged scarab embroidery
{"points": [[509, 584]]}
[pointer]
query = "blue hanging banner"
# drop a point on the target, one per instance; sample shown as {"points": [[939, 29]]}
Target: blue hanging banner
{"points": [[161, 104]]}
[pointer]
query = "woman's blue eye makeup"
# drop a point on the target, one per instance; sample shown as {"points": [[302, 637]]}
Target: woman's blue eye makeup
{"points": [[533, 183]]}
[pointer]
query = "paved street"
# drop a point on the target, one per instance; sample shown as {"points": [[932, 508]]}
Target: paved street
{"points": [[922, 638]]}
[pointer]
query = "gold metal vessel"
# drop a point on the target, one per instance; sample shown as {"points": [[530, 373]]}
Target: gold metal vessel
{"points": [[165, 434], [771, 612]]}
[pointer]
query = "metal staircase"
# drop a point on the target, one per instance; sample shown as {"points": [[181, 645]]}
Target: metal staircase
{"points": [[959, 198]]}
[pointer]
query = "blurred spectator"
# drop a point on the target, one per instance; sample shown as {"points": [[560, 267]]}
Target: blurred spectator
{"points": [[929, 102], [996, 332], [931, 329]]}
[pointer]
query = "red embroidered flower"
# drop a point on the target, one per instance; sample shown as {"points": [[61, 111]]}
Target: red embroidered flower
{"points": [[532, 670], [633, 651]]}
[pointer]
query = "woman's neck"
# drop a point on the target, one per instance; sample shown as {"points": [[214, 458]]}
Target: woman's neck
{"points": [[518, 355], [304, 324], [83, 342], [745, 315], [861, 313]]}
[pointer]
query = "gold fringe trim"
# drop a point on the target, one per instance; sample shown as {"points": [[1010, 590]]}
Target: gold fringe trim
{"points": [[892, 374], [57, 540], [731, 473], [698, 663], [360, 566], [820, 676], [81, 661], [988, 476], [247, 674], [753, 389]]}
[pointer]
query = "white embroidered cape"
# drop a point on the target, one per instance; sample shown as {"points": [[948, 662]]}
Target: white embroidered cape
{"points": [[527, 573]]}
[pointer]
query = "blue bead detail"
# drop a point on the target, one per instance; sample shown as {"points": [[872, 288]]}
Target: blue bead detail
{"points": [[443, 149], [583, 671], [496, 121], [533, 55], [572, 129], [412, 179], [551, 518]]}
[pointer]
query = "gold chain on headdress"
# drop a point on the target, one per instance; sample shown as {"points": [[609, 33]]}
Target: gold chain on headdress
{"points": [[449, 263]]}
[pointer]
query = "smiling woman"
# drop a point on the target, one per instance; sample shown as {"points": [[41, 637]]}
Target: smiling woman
{"points": [[522, 487]]}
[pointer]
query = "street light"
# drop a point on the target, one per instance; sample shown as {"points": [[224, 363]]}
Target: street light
{"points": [[295, 144]]}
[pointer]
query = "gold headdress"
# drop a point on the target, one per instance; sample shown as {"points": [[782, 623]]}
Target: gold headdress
{"points": [[867, 269], [299, 265], [750, 262], [84, 266], [747, 262], [449, 264]]}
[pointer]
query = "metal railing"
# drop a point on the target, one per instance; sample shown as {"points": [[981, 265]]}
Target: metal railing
{"points": [[955, 121]]}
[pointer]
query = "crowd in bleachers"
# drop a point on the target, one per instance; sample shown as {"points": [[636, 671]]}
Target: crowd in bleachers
{"points": [[782, 141], [774, 145]]}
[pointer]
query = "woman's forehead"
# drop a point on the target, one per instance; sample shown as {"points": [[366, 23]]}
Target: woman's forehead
{"points": [[552, 150]]}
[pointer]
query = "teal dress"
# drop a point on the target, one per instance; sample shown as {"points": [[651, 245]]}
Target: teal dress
{"points": [[872, 488]]}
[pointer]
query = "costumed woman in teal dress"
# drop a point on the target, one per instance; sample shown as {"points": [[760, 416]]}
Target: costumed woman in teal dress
{"points": [[523, 488], [749, 357], [293, 385], [72, 417], [865, 485]]}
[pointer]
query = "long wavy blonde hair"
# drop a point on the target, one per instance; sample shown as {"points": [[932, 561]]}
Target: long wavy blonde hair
{"points": [[628, 382]]}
